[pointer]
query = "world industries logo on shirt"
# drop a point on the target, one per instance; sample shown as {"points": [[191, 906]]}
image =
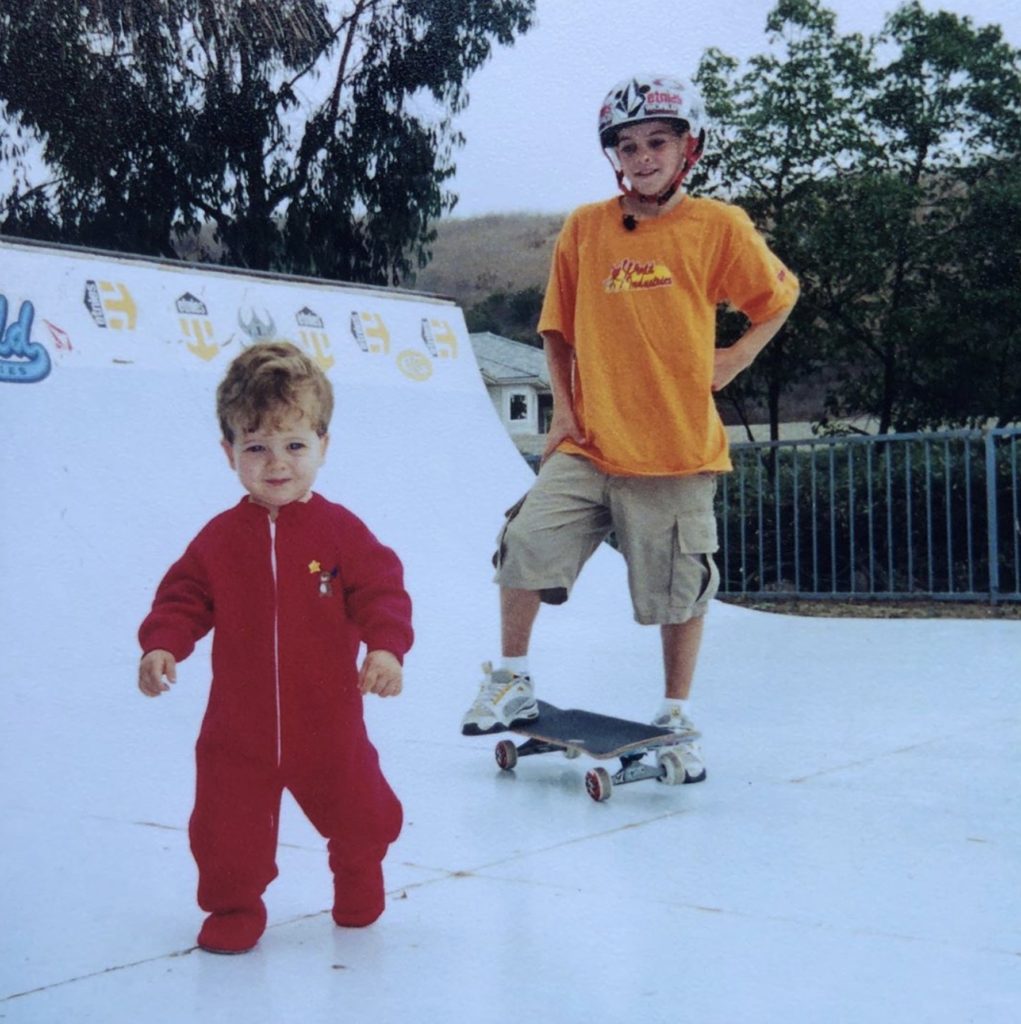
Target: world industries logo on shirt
{"points": [[630, 275]]}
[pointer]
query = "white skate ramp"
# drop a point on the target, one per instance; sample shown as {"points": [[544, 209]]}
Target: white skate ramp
{"points": [[854, 856]]}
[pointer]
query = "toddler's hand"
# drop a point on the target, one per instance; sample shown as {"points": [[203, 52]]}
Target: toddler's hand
{"points": [[156, 672], [381, 674]]}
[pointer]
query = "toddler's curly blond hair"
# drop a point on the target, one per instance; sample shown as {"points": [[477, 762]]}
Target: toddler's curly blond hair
{"points": [[267, 380]]}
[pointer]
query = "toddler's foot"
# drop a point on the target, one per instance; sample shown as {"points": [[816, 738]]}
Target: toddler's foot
{"points": [[358, 895], [688, 750], [233, 931], [504, 699]]}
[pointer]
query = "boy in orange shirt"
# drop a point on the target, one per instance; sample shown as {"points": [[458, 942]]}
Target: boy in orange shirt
{"points": [[629, 328]]}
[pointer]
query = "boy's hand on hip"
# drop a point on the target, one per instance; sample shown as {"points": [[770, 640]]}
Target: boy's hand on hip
{"points": [[736, 358], [727, 364], [381, 674], [563, 427], [156, 672]]}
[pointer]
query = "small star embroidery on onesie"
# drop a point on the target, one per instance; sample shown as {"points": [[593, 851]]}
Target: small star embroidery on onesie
{"points": [[325, 578]]}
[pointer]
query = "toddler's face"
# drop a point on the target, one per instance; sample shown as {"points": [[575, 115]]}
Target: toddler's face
{"points": [[277, 462]]}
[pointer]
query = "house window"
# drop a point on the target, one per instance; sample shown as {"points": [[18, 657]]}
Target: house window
{"points": [[518, 406], [545, 413]]}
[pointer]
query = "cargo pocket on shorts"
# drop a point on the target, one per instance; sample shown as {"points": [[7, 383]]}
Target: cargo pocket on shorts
{"points": [[551, 595], [501, 540], [694, 578]]}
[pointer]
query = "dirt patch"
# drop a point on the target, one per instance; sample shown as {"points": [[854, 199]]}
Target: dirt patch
{"points": [[876, 609]]}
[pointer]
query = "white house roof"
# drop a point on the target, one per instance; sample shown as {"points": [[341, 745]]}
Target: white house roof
{"points": [[505, 361]]}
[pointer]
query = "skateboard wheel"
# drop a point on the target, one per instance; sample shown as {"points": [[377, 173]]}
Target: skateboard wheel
{"points": [[506, 755], [599, 784], [672, 768], [571, 753]]}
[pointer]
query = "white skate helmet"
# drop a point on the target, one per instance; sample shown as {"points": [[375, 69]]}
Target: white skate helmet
{"points": [[653, 98], [650, 98]]}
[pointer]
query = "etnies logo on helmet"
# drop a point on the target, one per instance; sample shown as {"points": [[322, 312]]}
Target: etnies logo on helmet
{"points": [[672, 100]]}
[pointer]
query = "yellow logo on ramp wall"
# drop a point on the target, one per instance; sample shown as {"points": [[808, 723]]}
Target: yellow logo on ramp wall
{"points": [[366, 326], [317, 345], [439, 338], [201, 333], [414, 365], [110, 305]]}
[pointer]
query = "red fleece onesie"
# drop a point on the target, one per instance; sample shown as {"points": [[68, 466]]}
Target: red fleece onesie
{"points": [[289, 602]]}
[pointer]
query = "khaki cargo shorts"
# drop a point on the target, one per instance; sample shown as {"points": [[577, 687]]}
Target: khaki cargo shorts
{"points": [[665, 528]]}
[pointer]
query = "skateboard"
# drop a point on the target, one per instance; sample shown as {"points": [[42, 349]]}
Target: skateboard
{"points": [[603, 737]]}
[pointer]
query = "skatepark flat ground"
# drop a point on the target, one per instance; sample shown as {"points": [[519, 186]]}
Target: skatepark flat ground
{"points": [[853, 858]]}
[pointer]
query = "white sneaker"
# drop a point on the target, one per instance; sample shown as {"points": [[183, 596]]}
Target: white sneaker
{"points": [[504, 699], [690, 753]]}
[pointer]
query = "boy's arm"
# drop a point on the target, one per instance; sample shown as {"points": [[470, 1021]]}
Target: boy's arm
{"points": [[756, 282], [730, 361], [560, 361]]}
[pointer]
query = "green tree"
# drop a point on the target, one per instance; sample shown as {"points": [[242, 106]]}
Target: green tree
{"points": [[788, 120], [315, 137], [867, 162], [946, 111], [512, 314], [972, 371], [914, 290]]}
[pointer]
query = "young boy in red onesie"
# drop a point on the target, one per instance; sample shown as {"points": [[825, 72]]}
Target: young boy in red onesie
{"points": [[291, 585]]}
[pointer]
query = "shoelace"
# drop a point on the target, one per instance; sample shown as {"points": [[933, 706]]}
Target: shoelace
{"points": [[672, 722], [492, 690], [495, 688]]}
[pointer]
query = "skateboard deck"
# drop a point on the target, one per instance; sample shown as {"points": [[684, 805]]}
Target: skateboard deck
{"points": [[574, 732]]}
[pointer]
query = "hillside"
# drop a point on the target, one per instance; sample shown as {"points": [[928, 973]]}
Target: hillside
{"points": [[476, 256]]}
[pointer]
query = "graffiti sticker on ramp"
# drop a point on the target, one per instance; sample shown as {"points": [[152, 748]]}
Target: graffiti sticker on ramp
{"points": [[22, 360]]}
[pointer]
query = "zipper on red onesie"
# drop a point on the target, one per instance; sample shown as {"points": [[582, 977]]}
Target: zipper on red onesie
{"points": [[276, 636]]}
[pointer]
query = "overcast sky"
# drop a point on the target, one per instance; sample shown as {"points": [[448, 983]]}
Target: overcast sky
{"points": [[530, 126]]}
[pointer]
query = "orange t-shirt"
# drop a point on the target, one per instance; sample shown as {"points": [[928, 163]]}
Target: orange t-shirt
{"points": [[639, 309]]}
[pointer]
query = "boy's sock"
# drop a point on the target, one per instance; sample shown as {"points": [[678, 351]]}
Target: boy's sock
{"points": [[519, 665], [669, 703]]}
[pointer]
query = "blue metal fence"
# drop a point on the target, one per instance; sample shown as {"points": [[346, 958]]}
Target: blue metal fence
{"points": [[888, 516]]}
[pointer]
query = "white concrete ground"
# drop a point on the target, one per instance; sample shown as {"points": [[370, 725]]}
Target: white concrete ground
{"points": [[855, 855]]}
